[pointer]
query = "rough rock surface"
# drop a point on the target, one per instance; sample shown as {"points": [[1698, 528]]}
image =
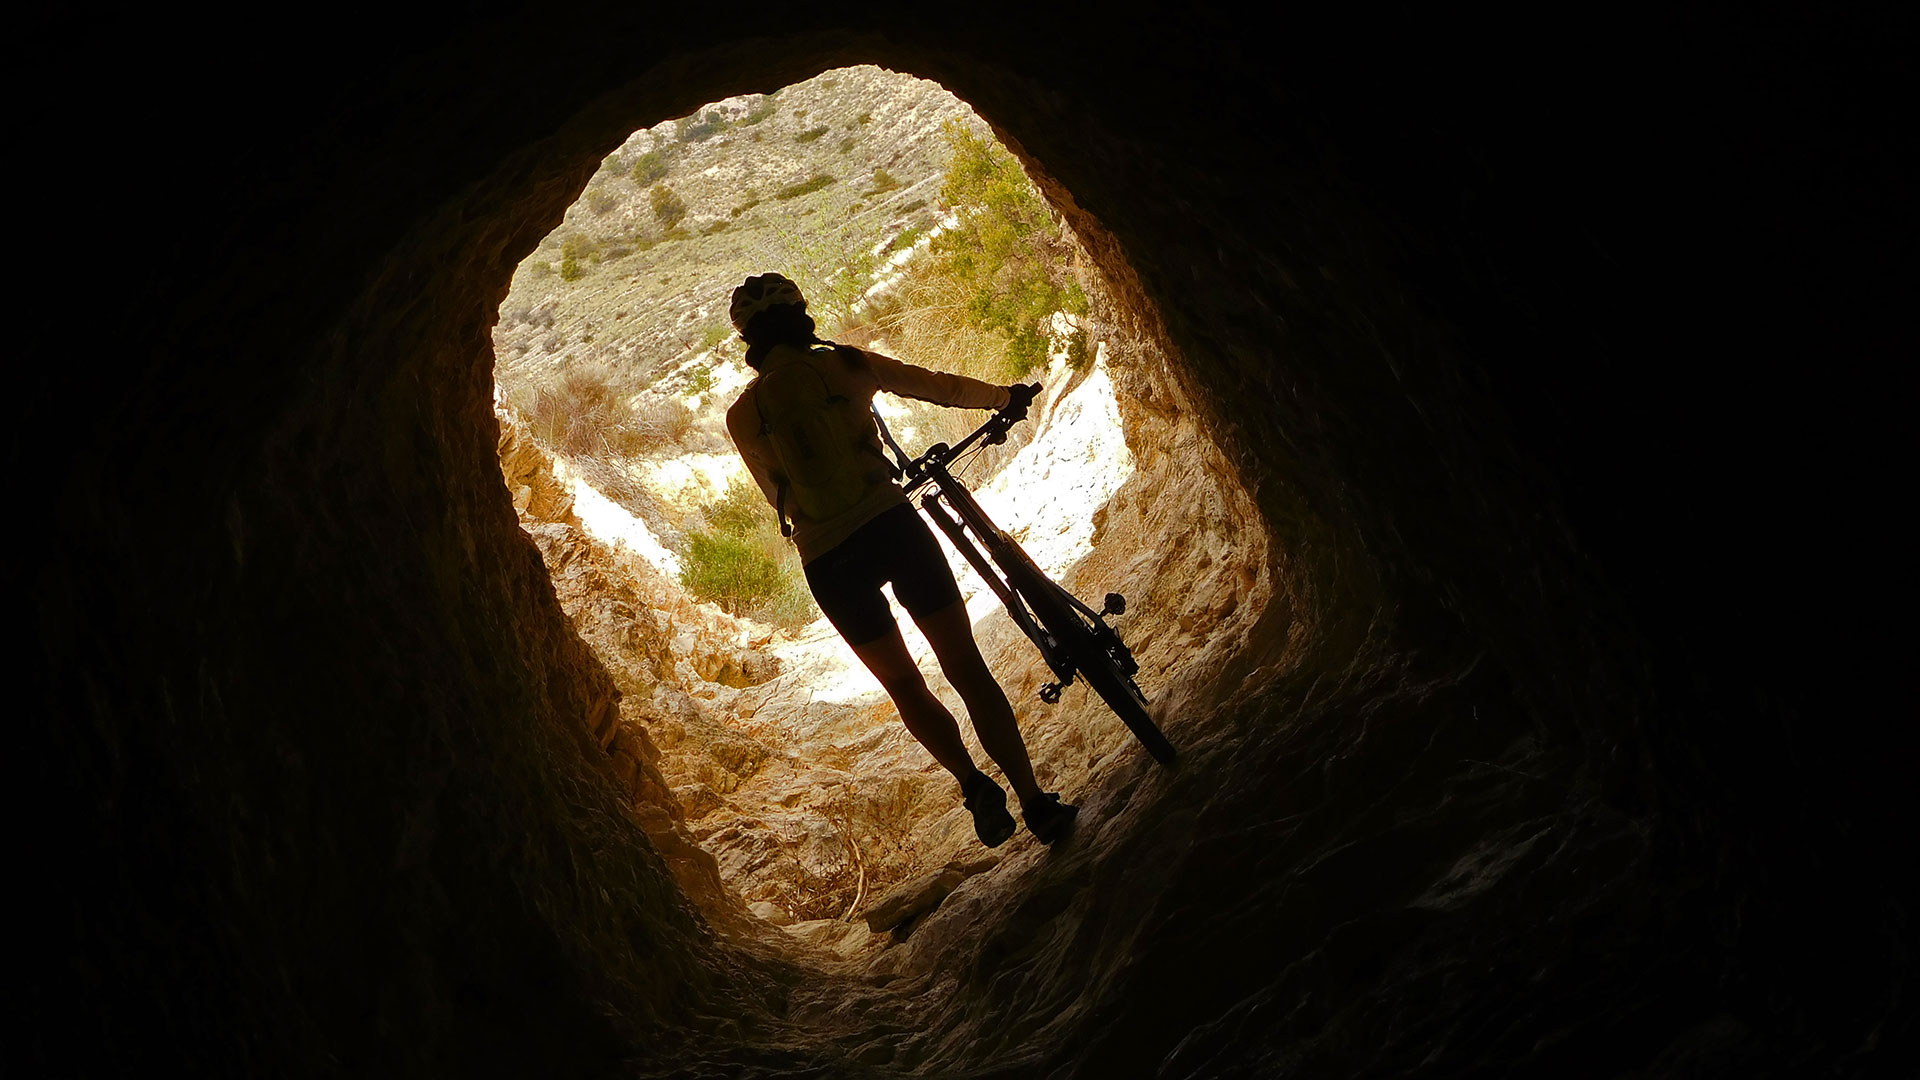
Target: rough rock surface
{"points": [[912, 899], [1554, 375]]}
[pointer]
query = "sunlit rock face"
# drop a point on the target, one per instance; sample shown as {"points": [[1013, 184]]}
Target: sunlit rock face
{"points": [[1521, 769]]}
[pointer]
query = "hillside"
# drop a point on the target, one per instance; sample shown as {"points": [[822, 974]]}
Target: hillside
{"points": [[615, 353], [805, 180]]}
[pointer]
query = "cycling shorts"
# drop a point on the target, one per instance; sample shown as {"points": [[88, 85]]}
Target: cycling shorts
{"points": [[896, 546]]}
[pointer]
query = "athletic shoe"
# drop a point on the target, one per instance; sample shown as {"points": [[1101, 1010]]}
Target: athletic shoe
{"points": [[1047, 817], [988, 804]]}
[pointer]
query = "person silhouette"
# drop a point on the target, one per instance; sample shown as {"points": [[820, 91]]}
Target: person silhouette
{"points": [[805, 430]]}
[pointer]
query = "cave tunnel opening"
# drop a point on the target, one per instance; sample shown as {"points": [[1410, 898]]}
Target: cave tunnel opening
{"points": [[747, 728], [1524, 775]]}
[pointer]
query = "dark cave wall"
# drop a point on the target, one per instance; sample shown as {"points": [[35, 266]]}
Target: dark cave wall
{"points": [[1515, 341]]}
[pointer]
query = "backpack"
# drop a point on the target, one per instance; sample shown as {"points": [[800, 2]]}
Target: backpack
{"points": [[815, 439]]}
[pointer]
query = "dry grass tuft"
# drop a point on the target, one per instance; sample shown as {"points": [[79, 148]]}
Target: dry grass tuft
{"points": [[591, 409]]}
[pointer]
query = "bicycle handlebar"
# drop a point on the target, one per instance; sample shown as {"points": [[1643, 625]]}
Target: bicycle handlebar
{"points": [[994, 431]]}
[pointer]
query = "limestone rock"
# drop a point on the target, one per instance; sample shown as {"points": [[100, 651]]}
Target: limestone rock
{"points": [[831, 935], [772, 913], [922, 894], [537, 493]]}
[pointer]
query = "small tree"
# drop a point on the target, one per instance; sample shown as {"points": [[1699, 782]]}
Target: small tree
{"points": [[831, 268], [1008, 250]]}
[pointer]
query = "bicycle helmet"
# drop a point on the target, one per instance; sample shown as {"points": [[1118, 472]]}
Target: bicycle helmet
{"points": [[757, 294]]}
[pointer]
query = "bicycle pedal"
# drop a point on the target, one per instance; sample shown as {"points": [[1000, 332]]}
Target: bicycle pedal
{"points": [[1050, 693]]}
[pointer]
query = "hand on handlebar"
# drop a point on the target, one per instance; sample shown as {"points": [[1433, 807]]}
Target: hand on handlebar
{"points": [[1019, 396], [928, 466]]}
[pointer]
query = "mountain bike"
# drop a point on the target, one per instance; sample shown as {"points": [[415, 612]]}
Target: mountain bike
{"points": [[1073, 638]]}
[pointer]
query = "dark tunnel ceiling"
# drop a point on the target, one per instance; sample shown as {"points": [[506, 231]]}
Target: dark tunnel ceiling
{"points": [[1642, 276]]}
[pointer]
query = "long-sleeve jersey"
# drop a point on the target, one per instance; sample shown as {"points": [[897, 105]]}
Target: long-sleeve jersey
{"points": [[856, 375]]}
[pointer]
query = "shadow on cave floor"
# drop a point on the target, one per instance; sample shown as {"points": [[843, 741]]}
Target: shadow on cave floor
{"points": [[1368, 862], [1346, 879]]}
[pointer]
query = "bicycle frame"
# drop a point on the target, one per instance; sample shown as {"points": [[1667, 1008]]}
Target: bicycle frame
{"points": [[972, 517], [1074, 640], [1002, 551]]}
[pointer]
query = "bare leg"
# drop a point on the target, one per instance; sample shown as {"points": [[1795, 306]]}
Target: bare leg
{"points": [[926, 719], [950, 633]]}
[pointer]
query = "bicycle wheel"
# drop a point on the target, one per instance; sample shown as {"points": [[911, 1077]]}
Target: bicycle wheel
{"points": [[1089, 654], [1116, 688]]}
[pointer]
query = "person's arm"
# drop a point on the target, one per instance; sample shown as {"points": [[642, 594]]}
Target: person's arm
{"points": [[938, 387]]}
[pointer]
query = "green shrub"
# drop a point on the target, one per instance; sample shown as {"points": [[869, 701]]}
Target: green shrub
{"points": [[741, 562], [668, 207], [579, 247], [601, 201], [908, 237], [883, 182], [847, 143], [690, 129], [729, 572], [741, 510], [804, 187], [810, 134], [571, 270], [649, 168], [917, 204], [1079, 355], [714, 335]]}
